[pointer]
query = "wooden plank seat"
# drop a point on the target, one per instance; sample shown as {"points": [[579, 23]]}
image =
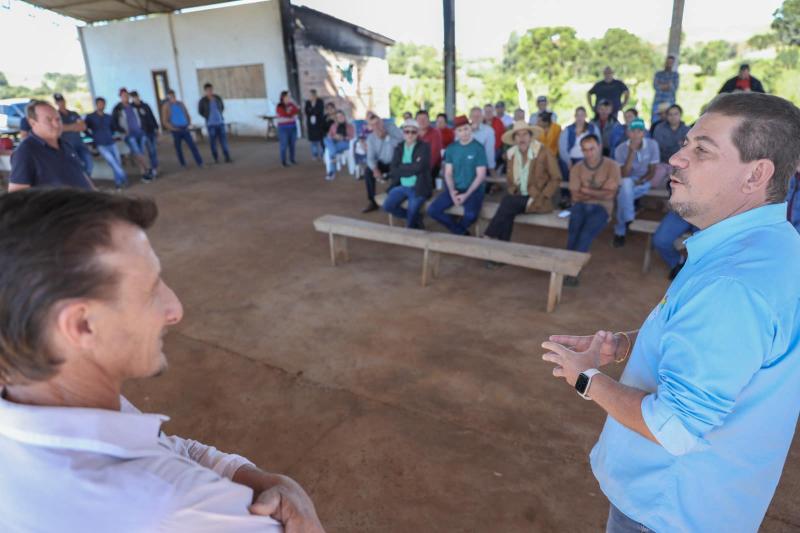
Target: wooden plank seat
{"points": [[557, 262]]}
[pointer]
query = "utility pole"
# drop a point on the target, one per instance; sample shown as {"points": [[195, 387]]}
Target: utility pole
{"points": [[449, 58], [674, 46]]}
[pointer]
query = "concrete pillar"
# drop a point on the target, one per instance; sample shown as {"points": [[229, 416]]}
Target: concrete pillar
{"points": [[448, 10], [674, 46]]}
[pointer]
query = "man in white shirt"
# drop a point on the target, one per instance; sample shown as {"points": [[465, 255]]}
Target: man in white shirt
{"points": [[483, 134], [83, 309]]}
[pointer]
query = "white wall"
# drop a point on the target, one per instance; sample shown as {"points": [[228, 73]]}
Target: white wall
{"points": [[124, 54]]}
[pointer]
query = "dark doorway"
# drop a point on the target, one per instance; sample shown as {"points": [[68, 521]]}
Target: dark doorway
{"points": [[160, 85]]}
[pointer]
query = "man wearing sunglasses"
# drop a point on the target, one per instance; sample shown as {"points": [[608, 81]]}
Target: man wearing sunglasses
{"points": [[410, 172]]}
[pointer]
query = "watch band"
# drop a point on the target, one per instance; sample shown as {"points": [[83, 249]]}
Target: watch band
{"points": [[587, 376]]}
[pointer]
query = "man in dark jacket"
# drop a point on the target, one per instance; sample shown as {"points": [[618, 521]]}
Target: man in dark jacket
{"points": [[743, 82], [410, 172], [210, 108], [150, 127]]}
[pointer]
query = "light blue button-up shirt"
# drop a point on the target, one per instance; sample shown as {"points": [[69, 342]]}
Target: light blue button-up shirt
{"points": [[720, 359]]}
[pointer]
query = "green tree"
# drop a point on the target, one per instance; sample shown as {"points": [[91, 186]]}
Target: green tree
{"points": [[707, 56], [786, 22], [3, 80], [763, 41], [415, 61], [632, 58]]}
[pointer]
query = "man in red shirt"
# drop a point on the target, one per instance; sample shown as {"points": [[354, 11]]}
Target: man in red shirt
{"points": [[448, 136], [433, 137]]}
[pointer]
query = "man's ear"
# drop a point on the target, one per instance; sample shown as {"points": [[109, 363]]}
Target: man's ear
{"points": [[762, 172], [73, 325]]}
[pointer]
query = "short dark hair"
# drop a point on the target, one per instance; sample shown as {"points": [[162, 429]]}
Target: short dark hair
{"points": [[122, 90], [670, 56], [675, 106], [769, 128], [590, 137], [633, 110], [207, 86], [170, 92], [422, 112], [134, 94], [99, 99], [30, 109], [580, 108], [49, 239], [744, 66], [442, 115]]}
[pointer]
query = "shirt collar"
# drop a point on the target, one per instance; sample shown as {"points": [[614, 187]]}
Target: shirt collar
{"points": [[44, 143], [126, 433], [702, 242]]}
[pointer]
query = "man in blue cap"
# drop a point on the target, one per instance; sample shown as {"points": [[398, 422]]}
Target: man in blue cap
{"points": [[638, 157]]}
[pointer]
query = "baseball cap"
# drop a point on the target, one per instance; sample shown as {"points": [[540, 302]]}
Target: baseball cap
{"points": [[637, 124], [541, 98]]}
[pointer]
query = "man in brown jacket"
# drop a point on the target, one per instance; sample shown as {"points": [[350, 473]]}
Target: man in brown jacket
{"points": [[175, 117], [533, 178]]}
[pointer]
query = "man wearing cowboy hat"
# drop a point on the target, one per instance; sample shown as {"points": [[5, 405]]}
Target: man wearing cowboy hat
{"points": [[410, 172], [533, 178], [465, 165]]}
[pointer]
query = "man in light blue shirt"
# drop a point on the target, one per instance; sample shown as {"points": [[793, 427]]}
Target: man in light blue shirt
{"points": [[701, 421], [637, 157]]}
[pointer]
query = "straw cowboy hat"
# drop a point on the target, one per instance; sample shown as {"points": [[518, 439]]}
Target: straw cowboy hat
{"points": [[520, 125]]}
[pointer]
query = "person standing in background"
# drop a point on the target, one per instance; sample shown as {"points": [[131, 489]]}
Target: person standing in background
{"points": [[315, 122], [665, 82], [175, 117], [98, 126], [73, 125], [150, 127], [210, 108], [287, 113]]}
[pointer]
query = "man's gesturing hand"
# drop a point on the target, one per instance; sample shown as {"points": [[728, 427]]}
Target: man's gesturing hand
{"points": [[289, 504], [570, 363], [608, 347]]}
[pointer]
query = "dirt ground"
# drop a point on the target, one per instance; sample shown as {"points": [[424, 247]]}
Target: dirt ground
{"points": [[399, 408]]}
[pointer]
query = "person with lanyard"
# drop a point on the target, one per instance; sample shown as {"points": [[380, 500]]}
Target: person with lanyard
{"points": [[315, 123], [43, 158], [533, 179], [381, 142], [410, 173], [175, 118], [700, 423], [150, 127], [465, 163], [593, 184], [73, 125], [210, 108], [126, 120], [98, 126], [287, 112]]}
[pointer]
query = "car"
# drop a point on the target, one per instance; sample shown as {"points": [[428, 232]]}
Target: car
{"points": [[12, 111]]}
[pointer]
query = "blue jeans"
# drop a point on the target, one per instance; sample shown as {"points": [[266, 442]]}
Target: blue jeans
{"points": [[150, 145], [619, 523], [627, 195], [86, 158], [135, 142], [180, 136], [472, 209], [332, 149], [287, 137], [111, 154], [586, 221], [217, 133], [672, 226], [317, 149], [396, 197]]}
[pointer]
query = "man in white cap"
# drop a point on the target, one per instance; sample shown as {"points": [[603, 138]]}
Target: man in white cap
{"points": [[410, 172], [541, 107]]}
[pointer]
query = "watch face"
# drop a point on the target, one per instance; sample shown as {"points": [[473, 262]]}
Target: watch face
{"points": [[582, 383]]}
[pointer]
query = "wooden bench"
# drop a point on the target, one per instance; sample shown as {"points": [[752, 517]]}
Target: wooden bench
{"points": [[557, 262], [545, 220]]}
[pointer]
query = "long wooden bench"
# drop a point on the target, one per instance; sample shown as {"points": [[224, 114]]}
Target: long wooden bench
{"points": [[545, 220], [557, 262]]}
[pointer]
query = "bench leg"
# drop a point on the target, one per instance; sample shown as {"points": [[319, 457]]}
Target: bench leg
{"points": [[430, 266], [338, 248], [648, 249], [554, 293], [391, 220], [480, 227]]}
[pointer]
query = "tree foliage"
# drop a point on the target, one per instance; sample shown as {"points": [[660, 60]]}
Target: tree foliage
{"points": [[632, 58], [708, 55], [786, 22], [415, 61]]}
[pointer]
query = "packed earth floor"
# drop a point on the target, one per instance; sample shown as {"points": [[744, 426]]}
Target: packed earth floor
{"points": [[399, 408]]}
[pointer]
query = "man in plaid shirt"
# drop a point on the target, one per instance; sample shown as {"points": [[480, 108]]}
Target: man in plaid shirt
{"points": [[665, 83]]}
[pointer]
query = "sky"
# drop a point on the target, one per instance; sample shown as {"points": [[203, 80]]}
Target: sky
{"points": [[51, 41]]}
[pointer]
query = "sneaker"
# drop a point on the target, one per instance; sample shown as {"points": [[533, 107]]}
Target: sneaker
{"points": [[292, 162], [571, 281], [330, 177], [372, 206], [146, 178], [285, 165], [619, 241], [153, 173]]}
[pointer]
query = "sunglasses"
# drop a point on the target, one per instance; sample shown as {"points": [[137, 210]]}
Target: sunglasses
{"points": [[410, 132]]}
